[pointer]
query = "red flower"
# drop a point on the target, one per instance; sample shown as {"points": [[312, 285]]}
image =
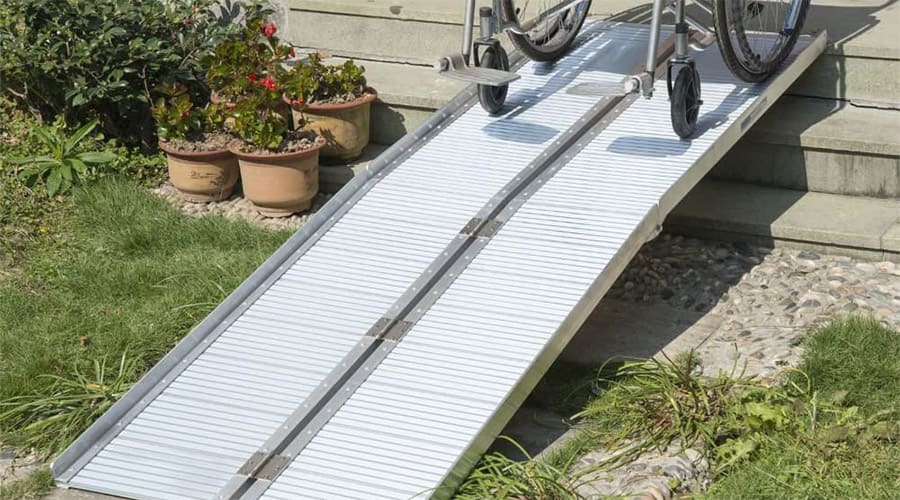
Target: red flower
{"points": [[298, 102], [269, 30], [268, 83], [252, 77], [185, 114]]}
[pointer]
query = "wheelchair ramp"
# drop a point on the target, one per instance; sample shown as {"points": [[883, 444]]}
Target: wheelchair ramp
{"points": [[379, 352]]}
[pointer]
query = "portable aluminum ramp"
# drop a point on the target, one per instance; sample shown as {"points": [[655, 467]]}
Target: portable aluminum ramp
{"points": [[383, 347]]}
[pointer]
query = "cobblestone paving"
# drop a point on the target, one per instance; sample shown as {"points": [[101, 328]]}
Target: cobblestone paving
{"points": [[764, 301]]}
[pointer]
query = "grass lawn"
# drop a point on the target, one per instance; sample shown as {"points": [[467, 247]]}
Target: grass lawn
{"points": [[832, 430], [124, 276], [859, 361]]}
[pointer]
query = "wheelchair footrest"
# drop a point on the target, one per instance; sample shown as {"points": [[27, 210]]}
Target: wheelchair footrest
{"points": [[455, 67]]}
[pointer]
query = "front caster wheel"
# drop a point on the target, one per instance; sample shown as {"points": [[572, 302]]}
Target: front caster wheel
{"points": [[685, 101], [492, 98]]}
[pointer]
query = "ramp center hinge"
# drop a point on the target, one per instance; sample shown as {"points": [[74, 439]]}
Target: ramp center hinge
{"points": [[480, 228], [264, 466], [389, 328]]}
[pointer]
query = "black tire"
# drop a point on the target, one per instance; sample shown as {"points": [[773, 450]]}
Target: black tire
{"points": [[493, 98], [557, 41], [733, 19], [685, 102]]}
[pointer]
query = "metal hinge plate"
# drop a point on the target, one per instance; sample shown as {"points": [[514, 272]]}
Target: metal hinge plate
{"points": [[261, 465], [388, 329], [489, 229], [470, 226], [479, 230]]}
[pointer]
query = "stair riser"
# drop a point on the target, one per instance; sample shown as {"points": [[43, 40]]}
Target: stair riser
{"points": [[808, 169], [406, 41], [423, 42], [857, 79]]}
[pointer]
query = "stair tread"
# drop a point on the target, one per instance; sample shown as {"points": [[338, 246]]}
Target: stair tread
{"points": [[767, 212], [829, 124]]}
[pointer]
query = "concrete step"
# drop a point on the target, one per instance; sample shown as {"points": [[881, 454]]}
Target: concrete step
{"points": [[407, 94], [862, 60], [861, 63], [857, 226], [820, 145], [334, 176]]}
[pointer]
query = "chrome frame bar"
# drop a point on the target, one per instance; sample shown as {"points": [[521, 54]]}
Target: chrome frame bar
{"points": [[468, 28]]}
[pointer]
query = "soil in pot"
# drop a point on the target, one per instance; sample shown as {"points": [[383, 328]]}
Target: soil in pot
{"points": [[282, 182], [344, 123], [201, 167]]}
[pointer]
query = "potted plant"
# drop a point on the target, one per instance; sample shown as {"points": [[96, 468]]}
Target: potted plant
{"points": [[279, 164], [196, 145], [334, 102]]}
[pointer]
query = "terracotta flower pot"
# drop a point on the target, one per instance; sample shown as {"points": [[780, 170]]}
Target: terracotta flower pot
{"points": [[344, 126], [204, 176], [280, 184]]}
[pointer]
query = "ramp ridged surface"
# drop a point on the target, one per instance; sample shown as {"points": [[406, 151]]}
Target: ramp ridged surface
{"points": [[413, 420], [210, 418]]}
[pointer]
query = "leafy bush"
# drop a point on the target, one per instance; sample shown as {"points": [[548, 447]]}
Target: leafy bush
{"points": [[250, 72], [102, 59], [248, 58]]}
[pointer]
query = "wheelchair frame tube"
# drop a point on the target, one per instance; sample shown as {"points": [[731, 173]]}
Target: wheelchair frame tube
{"points": [[655, 23], [468, 28]]}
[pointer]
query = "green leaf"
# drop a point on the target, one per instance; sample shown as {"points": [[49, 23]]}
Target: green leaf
{"points": [[836, 434], [36, 159], [80, 134], [887, 431], [79, 166], [66, 171], [735, 450], [54, 181], [97, 157]]}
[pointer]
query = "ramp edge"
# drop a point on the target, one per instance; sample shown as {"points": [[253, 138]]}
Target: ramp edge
{"points": [[104, 429]]}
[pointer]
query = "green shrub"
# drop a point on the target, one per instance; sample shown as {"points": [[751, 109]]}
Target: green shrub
{"points": [[103, 58], [66, 164]]}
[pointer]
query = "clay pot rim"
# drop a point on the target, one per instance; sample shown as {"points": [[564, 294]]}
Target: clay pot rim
{"points": [[196, 155], [234, 148], [366, 98]]}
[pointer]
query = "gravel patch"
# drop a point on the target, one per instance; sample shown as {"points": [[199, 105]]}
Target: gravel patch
{"points": [[14, 466], [237, 207]]}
